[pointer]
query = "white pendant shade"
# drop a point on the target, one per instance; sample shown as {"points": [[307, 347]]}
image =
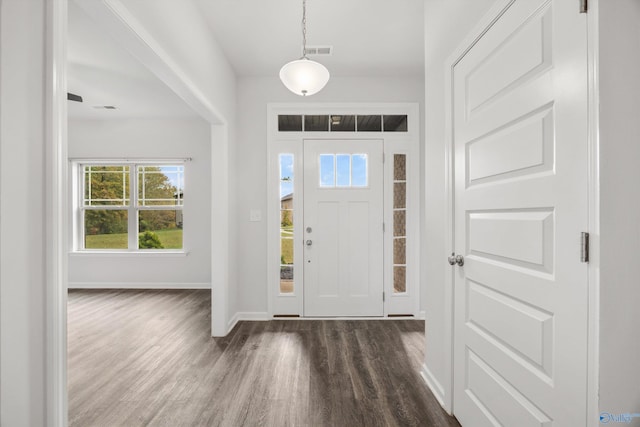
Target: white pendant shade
{"points": [[304, 76]]}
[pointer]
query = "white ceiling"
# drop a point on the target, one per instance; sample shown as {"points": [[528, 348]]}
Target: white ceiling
{"points": [[370, 38], [104, 73]]}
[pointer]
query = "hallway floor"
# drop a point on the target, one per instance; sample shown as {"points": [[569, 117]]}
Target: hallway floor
{"points": [[146, 357]]}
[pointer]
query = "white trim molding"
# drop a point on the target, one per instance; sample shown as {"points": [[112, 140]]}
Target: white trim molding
{"points": [[249, 316], [127, 254], [253, 316], [593, 349], [56, 223], [433, 384], [138, 285], [220, 238]]}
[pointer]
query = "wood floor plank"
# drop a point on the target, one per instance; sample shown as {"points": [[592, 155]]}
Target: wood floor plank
{"points": [[146, 358]]}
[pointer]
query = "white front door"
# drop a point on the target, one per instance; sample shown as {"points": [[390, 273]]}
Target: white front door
{"points": [[343, 234], [520, 137]]}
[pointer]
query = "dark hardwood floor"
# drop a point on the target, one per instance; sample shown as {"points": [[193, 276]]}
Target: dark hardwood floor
{"points": [[140, 358]]}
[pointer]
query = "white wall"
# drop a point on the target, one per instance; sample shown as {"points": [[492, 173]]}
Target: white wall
{"points": [[22, 213], [151, 138], [620, 206], [250, 170], [196, 68], [441, 38]]}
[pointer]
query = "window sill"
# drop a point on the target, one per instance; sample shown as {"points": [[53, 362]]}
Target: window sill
{"points": [[151, 254]]}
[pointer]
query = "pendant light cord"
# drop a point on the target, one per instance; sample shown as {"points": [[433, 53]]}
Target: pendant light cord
{"points": [[303, 76], [304, 28]]}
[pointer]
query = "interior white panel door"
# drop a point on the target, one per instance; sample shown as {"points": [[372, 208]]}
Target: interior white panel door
{"points": [[519, 115], [343, 220]]}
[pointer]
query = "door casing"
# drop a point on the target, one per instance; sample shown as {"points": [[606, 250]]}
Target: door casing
{"points": [[393, 142]]}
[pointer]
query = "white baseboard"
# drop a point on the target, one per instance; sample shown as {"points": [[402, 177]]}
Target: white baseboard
{"points": [[434, 385], [232, 323], [253, 315], [137, 285], [422, 315], [264, 316], [247, 315]]}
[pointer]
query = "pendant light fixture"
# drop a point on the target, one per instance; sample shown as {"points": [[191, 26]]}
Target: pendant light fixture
{"points": [[303, 76]]}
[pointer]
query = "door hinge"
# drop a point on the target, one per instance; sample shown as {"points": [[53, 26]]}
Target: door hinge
{"points": [[584, 247], [584, 6]]}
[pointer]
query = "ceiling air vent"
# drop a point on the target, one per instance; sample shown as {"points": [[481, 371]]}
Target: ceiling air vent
{"points": [[319, 50]]}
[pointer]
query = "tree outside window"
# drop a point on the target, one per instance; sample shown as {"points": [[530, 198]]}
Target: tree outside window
{"points": [[110, 209]]}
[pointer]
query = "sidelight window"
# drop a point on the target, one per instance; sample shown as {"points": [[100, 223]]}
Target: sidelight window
{"points": [[286, 222], [399, 223]]}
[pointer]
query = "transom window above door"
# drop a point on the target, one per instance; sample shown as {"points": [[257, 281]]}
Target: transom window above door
{"points": [[343, 171], [342, 123]]}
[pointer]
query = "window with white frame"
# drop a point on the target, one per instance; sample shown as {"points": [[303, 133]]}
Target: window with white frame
{"points": [[130, 206], [286, 223], [343, 171]]}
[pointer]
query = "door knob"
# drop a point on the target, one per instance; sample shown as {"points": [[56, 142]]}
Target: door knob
{"points": [[452, 259], [309, 243], [456, 259]]}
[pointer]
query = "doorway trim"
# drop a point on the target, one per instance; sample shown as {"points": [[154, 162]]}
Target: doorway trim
{"points": [[56, 223], [292, 142], [443, 389], [120, 25], [593, 194]]}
